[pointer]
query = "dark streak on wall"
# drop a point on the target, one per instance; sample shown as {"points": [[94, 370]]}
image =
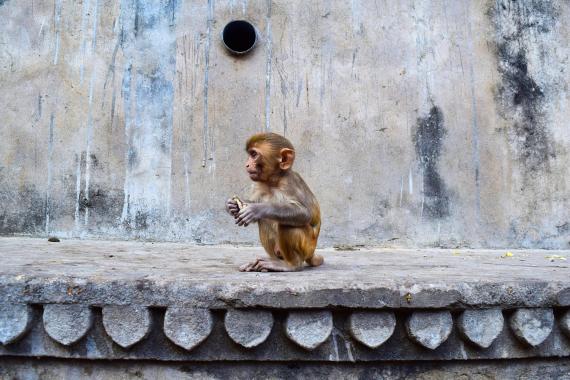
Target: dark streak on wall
{"points": [[104, 202], [22, 211], [428, 143], [520, 98]]}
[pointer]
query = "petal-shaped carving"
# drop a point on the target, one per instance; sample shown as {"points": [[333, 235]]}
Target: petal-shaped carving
{"points": [[372, 328], [67, 324], [248, 328], [187, 327], [14, 322], [564, 297], [430, 328], [532, 326], [126, 325], [309, 329], [481, 327]]}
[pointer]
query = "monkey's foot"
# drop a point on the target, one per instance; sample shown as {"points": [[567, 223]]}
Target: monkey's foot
{"points": [[267, 265], [316, 260], [248, 267]]}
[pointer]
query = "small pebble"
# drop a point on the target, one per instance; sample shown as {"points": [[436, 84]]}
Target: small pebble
{"points": [[53, 239]]}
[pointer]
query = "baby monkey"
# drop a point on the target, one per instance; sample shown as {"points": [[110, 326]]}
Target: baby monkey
{"points": [[281, 203]]}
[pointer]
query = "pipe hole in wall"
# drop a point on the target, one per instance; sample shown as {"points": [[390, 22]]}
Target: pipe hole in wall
{"points": [[239, 36]]}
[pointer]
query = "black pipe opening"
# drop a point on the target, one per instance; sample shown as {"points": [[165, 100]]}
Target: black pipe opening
{"points": [[239, 36]]}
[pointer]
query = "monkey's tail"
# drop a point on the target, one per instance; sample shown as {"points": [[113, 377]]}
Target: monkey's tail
{"points": [[316, 260]]}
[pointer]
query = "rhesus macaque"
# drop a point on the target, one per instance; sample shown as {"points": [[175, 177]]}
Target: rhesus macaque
{"points": [[282, 204]]}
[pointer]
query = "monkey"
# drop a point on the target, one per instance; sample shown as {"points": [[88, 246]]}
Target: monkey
{"points": [[285, 209]]}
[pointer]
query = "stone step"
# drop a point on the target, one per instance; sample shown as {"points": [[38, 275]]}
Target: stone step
{"points": [[172, 302]]}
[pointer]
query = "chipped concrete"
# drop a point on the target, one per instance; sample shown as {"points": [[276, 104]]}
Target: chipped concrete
{"points": [[128, 121]]}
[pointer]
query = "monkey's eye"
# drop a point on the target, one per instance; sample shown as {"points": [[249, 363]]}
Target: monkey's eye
{"points": [[253, 154]]}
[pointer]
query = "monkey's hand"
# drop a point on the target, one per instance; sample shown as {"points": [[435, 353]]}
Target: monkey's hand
{"points": [[232, 207], [251, 214]]}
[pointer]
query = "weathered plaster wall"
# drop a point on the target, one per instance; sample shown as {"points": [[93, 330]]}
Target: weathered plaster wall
{"points": [[416, 123]]}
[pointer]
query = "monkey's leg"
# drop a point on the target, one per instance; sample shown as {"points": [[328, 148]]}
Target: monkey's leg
{"points": [[309, 253], [315, 260], [302, 242], [292, 244], [268, 238]]}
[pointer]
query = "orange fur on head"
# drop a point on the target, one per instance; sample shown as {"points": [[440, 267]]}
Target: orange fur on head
{"points": [[278, 152], [276, 141]]}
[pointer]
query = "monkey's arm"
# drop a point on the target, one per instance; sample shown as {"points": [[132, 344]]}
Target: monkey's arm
{"points": [[291, 213]]}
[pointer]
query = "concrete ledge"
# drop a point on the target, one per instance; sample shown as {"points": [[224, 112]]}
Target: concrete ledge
{"points": [[144, 301]]}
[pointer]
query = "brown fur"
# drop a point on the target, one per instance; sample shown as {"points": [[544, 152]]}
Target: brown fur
{"points": [[291, 234]]}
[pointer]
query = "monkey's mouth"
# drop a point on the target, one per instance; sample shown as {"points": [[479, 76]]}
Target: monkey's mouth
{"points": [[253, 175]]}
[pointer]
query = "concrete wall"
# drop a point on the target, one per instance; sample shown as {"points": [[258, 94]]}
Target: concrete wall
{"points": [[416, 123]]}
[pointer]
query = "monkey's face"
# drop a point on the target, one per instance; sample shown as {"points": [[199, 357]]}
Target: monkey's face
{"points": [[258, 165], [253, 165]]}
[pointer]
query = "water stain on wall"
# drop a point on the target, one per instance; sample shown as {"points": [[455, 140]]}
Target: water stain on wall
{"points": [[428, 140], [103, 202], [521, 100], [148, 41], [23, 209]]}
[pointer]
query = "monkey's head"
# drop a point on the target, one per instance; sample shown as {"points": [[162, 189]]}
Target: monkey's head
{"points": [[269, 156]]}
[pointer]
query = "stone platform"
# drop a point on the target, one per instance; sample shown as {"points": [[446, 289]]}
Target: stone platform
{"points": [[165, 302]]}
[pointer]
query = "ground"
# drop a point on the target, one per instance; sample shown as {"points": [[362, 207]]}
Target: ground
{"points": [[366, 277]]}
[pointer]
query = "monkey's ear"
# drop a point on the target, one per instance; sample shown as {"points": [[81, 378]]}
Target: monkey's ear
{"points": [[287, 158]]}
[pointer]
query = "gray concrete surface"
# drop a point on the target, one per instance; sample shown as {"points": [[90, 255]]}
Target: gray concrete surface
{"points": [[162, 274], [417, 123], [175, 302]]}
